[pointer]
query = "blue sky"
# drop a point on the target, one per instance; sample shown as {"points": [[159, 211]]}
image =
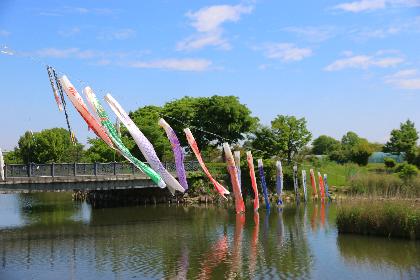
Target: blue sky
{"points": [[343, 65]]}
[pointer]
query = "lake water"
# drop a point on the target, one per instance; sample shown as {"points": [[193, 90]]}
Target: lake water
{"points": [[48, 236]]}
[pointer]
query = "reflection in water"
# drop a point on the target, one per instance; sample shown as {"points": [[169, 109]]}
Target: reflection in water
{"points": [[59, 237]]}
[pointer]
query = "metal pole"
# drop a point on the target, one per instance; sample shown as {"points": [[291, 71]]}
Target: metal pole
{"points": [[115, 168], [95, 169], [52, 170], [75, 169]]}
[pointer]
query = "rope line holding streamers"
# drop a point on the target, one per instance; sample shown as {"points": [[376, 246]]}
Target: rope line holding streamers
{"points": [[5, 50]]}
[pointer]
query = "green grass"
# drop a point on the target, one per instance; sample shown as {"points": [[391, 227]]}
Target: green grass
{"points": [[390, 219]]}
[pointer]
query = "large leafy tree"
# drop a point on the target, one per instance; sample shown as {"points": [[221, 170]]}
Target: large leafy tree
{"points": [[324, 145], [286, 137], [213, 120], [49, 145], [403, 140], [353, 148]]}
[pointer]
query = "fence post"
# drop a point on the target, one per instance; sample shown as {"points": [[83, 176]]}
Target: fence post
{"points": [[5, 171], [75, 170], [95, 169], [29, 169], [115, 168], [52, 170]]}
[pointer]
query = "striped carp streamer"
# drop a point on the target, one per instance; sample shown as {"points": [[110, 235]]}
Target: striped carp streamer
{"points": [[1, 166], [193, 144], [233, 171], [178, 153], [295, 181], [237, 157], [80, 106], [113, 134], [305, 194], [279, 182], [326, 187], [54, 88], [321, 185], [263, 183], [313, 183], [250, 160], [144, 145]]}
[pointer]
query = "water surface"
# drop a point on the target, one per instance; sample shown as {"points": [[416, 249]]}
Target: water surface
{"points": [[48, 236]]}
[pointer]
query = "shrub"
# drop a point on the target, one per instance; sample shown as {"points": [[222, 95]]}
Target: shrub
{"points": [[406, 171], [389, 163]]}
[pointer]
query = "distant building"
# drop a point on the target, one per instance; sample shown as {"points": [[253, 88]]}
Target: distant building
{"points": [[378, 157]]}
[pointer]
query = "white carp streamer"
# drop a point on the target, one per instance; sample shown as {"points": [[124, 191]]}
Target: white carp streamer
{"points": [[145, 146], [1, 165], [237, 156]]}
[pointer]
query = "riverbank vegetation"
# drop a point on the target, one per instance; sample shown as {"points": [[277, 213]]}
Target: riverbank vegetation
{"points": [[391, 219]]}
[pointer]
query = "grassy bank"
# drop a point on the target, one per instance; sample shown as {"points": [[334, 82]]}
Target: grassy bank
{"points": [[390, 219]]}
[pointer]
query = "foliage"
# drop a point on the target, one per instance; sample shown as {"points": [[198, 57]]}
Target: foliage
{"points": [[352, 149], [49, 145], [403, 140], [12, 157], [224, 117], [389, 162], [389, 219], [99, 151], [324, 145], [406, 171], [360, 152]]}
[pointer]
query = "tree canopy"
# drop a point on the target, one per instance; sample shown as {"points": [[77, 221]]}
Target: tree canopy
{"points": [[403, 140], [324, 145]]}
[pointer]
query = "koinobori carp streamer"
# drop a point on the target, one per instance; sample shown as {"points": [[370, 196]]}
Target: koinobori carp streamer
{"points": [[279, 182], [313, 183], [233, 171], [237, 157], [193, 144], [113, 134], [321, 185], [326, 186], [295, 181], [263, 183], [1, 165], [250, 160], [305, 194], [144, 145], [178, 153], [80, 106]]}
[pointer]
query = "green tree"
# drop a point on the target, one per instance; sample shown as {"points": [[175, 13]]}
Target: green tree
{"points": [[99, 151], [406, 171], [389, 163], [324, 145], [214, 119], [361, 152], [403, 140], [267, 143], [49, 145]]}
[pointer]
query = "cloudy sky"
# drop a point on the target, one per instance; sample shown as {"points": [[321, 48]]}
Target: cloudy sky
{"points": [[341, 65]]}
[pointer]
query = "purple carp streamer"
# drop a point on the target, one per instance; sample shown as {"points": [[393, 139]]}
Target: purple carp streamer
{"points": [[326, 186], [145, 146], [263, 183], [178, 153], [304, 185], [237, 157], [1, 165], [279, 182]]}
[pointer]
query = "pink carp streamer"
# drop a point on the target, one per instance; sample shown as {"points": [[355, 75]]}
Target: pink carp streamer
{"points": [[239, 202], [193, 144], [313, 183], [321, 185], [80, 106], [178, 153], [250, 160], [145, 146]]}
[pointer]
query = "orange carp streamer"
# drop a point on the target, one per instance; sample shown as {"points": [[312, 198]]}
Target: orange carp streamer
{"points": [[321, 185], [234, 178], [193, 144], [250, 160]]}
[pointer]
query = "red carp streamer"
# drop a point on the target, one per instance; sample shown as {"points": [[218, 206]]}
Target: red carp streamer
{"points": [[193, 144], [250, 160], [321, 185], [234, 178], [313, 183]]}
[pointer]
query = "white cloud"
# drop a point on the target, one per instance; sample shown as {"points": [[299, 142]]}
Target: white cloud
{"points": [[363, 62], [4, 33], [67, 53], [404, 79], [187, 64], [69, 32], [312, 33], [208, 23], [61, 11], [371, 5], [118, 34], [286, 52]]}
